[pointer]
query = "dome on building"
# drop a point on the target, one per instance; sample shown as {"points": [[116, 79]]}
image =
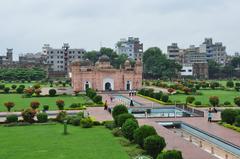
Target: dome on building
{"points": [[78, 62], [127, 63], [104, 58], [138, 62]]}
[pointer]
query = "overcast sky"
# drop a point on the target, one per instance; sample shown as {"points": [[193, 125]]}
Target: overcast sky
{"points": [[28, 24]]}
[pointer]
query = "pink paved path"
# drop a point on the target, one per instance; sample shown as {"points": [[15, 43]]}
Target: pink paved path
{"points": [[189, 150]]}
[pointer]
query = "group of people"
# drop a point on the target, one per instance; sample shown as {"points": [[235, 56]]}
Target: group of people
{"points": [[132, 93], [210, 113]]}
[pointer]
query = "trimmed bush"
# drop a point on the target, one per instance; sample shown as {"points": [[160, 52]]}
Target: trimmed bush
{"points": [[6, 90], [96, 123], [227, 103], [20, 90], [45, 107], [190, 99], [214, 100], [9, 105], [42, 117], [117, 132], [197, 87], [119, 109], [12, 118], [158, 95], [2, 86], [86, 123], [61, 116], [230, 84], [14, 86], [34, 104], [237, 101], [28, 115], [76, 120], [52, 92], [165, 98], [170, 154], [198, 103], [120, 120], [154, 144], [228, 115], [60, 104], [38, 92], [97, 99], [128, 128], [142, 132], [237, 120], [91, 93], [109, 124]]}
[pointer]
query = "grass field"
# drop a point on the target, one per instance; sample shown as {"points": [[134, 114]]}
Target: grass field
{"points": [[48, 142], [21, 103], [222, 94]]}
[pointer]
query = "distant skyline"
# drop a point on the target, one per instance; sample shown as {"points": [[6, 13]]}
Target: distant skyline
{"points": [[27, 25]]}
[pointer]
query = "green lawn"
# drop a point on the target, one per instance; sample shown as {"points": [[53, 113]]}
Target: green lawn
{"points": [[222, 94], [21, 103], [48, 142]]}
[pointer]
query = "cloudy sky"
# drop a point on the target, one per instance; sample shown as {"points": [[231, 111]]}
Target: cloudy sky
{"points": [[28, 24]]}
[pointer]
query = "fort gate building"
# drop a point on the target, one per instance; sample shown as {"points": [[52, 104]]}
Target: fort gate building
{"points": [[103, 77]]}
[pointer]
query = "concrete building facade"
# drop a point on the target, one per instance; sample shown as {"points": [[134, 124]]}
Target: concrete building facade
{"points": [[103, 77], [131, 47], [8, 58]]}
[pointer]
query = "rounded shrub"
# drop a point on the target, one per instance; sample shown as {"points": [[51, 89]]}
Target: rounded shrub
{"points": [[190, 99], [117, 132], [227, 103], [128, 128], [120, 120], [9, 105], [165, 98], [237, 101], [158, 95], [52, 92], [214, 100], [237, 120], [2, 86], [97, 99], [45, 107], [228, 115], [109, 124], [119, 109], [142, 132], [230, 84], [28, 115], [197, 87], [6, 90], [154, 144], [42, 117], [34, 104], [76, 121], [12, 118], [60, 104], [198, 103], [20, 90], [86, 123], [14, 86], [170, 154], [61, 116]]}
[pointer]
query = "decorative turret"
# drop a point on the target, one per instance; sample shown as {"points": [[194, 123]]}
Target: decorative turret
{"points": [[127, 65]]}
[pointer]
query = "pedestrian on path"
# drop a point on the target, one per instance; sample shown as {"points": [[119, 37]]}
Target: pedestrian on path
{"points": [[131, 103], [105, 105], [209, 115]]}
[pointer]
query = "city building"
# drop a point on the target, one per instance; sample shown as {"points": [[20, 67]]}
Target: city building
{"points": [[103, 77], [59, 59], [7, 59], [187, 70], [192, 55], [216, 52], [32, 59], [131, 47], [174, 53]]}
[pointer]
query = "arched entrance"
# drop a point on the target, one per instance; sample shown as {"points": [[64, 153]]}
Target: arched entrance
{"points": [[108, 86], [128, 86], [86, 86]]}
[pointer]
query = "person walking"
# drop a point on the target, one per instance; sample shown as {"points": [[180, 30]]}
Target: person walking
{"points": [[209, 115], [105, 105], [131, 103]]}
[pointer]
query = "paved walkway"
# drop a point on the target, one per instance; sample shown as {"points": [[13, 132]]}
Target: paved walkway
{"points": [[189, 150]]}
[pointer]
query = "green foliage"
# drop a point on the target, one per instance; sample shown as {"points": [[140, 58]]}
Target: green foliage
{"points": [[170, 154], [214, 100], [237, 101], [14, 86], [227, 103], [6, 90], [91, 93], [45, 107], [9, 105], [42, 117], [229, 115], [34, 104], [11, 118], [237, 120], [142, 132], [119, 109], [97, 99], [230, 84], [117, 132], [86, 123], [2, 86], [198, 103], [190, 99], [52, 92], [129, 127], [165, 98], [154, 144], [120, 119], [96, 123], [61, 116], [109, 124], [76, 120], [20, 90], [60, 104], [28, 115]]}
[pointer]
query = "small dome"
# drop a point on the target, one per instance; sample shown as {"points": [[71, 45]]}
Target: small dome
{"points": [[78, 62], [138, 62], [104, 58]]}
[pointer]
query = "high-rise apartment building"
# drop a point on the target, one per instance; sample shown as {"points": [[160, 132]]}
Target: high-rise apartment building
{"points": [[60, 59], [131, 47], [8, 58]]}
